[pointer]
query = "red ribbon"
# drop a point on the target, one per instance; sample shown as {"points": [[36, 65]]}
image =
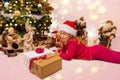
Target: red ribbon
{"points": [[36, 58], [39, 50]]}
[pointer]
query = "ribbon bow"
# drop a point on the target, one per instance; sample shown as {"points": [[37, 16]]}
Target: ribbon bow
{"points": [[39, 50], [36, 58]]}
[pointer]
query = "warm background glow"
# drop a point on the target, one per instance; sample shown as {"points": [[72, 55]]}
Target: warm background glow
{"points": [[95, 12]]}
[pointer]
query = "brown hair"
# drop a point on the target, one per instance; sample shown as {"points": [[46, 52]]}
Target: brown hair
{"points": [[109, 21]]}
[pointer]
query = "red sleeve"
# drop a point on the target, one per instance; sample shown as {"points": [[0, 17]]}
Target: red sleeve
{"points": [[69, 54]]}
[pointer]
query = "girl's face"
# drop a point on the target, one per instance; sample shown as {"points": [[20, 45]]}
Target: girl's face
{"points": [[64, 37]]}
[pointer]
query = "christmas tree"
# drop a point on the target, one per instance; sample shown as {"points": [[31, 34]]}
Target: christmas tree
{"points": [[14, 13]]}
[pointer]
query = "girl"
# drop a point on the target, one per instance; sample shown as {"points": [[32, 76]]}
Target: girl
{"points": [[74, 49]]}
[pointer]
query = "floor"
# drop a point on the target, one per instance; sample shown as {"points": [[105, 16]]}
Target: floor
{"points": [[13, 68]]}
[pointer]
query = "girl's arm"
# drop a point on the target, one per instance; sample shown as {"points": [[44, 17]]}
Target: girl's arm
{"points": [[69, 54]]}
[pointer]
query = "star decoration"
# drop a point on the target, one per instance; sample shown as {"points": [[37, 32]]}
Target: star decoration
{"points": [[48, 78], [79, 70], [101, 10], [58, 76], [93, 17], [94, 69]]}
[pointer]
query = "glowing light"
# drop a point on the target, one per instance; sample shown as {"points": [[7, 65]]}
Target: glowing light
{"points": [[16, 1], [94, 5], [58, 76], [91, 6], [48, 78], [94, 17], [101, 10], [65, 2], [11, 17], [78, 70], [15, 24], [30, 21], [10, 7], [39, 5], [94, 69]]}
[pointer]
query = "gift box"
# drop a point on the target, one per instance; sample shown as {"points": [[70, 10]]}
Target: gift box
{"points": [[32, 54], [45, 67]]}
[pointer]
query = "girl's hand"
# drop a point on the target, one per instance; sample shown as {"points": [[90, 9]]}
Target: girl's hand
{"points": [[57, 53]]}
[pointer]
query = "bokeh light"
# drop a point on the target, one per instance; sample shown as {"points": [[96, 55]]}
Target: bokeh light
{"points": [[95, 12]]}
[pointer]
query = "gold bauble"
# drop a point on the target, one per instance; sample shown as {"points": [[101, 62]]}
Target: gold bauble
{"points": [[13, 20], [17, 13], [14, 4], [0, 25]]}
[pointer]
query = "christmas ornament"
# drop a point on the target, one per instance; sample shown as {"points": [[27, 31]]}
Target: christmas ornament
{"points": [[0, 24], [17, 13]]}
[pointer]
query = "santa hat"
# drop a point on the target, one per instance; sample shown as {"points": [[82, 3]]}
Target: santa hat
{"points": [[55, 31], [69, 27]]}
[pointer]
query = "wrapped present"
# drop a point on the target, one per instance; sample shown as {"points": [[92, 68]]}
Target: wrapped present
{"points": [[45, 67], [32, 54]]}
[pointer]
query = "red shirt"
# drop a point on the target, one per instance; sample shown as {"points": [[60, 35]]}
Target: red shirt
{"points": [[75, 50]]}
